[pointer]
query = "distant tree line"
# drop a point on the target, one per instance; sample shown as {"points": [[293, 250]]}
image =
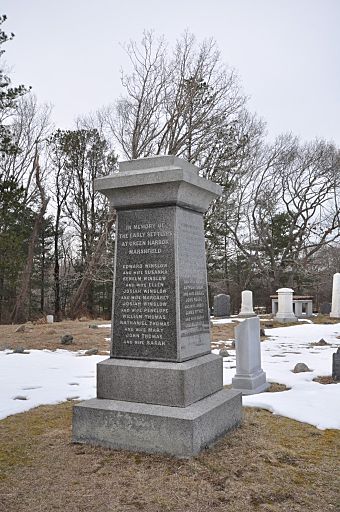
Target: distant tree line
{"points": [[276, 224]]}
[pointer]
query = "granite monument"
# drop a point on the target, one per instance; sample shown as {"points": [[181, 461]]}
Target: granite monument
{"points": [[161, 390]]}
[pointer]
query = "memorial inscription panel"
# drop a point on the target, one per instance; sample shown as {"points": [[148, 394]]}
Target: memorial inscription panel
{"points": [[193, 294], [144, 312]]}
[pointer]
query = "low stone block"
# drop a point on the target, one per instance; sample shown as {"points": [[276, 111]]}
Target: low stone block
{"points": [[177, 431], [157, 382], [250, 384]]}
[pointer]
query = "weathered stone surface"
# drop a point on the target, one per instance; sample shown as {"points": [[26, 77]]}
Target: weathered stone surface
{"points": [[91, 352], [158, 181], [162, 383], [325, 308], [301, 367], [221, 305], [285, 312], [247, 310], [321, 343], [20, 350], [336, 365], [249, 377], [224, 352], [160, 324], [179, 431], [160, 290], [67, 339]]}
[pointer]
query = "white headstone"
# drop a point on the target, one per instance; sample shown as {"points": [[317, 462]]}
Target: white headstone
{"points": [[49, 319], [285, 311], [249, 377], [247, 305], [335, 312]]}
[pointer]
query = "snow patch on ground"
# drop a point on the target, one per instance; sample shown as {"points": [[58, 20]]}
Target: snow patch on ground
{"points": [[45, 377], [219, 321], [306, 401], [49, 377]]}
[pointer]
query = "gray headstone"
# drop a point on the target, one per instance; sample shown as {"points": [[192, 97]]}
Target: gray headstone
{"points": [[162, 389], [336, 365], [221, 305], [325, 308]]}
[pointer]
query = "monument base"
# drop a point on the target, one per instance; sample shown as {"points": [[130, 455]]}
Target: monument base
{"points": [[178, 431], [246, 315], [285, 319], [250, 384], [160, 383]]}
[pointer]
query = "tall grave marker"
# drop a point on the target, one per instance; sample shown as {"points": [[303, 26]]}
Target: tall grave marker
{"points": [[161, 390], [335, 312]]}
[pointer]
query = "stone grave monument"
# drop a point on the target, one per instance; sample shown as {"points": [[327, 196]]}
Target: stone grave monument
{"points": [[335, 312], [249, 377], [285, 312], [247, 305], [336, 365], [221, 305], [325, 308], [161, 390]]}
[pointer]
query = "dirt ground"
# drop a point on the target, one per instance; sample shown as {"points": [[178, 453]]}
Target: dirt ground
{"points": [[271, 464], [47, 336]]}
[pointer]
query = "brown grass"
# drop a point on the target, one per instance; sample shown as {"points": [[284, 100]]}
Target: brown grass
{"points": [[224, 331], [271, 463], [326, 379], [47, 336]]}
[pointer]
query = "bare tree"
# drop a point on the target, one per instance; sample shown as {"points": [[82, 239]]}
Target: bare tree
{"points": [[175, 101], [18, 313], [286, 207]]}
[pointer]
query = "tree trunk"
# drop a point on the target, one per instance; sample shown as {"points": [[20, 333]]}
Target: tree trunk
{"points": [[56, 271], [18, 314], [42, 276], [80, 294]]}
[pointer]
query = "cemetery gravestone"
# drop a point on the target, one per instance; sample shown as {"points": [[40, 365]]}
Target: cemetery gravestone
{"points": [[285, 312], [247, 305], [335, 313], [221, 305], [162, 389], [249, 377], [336, 365], [325, 308]]}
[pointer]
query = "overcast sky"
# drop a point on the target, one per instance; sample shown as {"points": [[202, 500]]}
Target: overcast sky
{"points": [[286, 53]]}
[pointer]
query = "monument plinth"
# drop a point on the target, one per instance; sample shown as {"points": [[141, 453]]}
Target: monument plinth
{"points": [[161, 390]]}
